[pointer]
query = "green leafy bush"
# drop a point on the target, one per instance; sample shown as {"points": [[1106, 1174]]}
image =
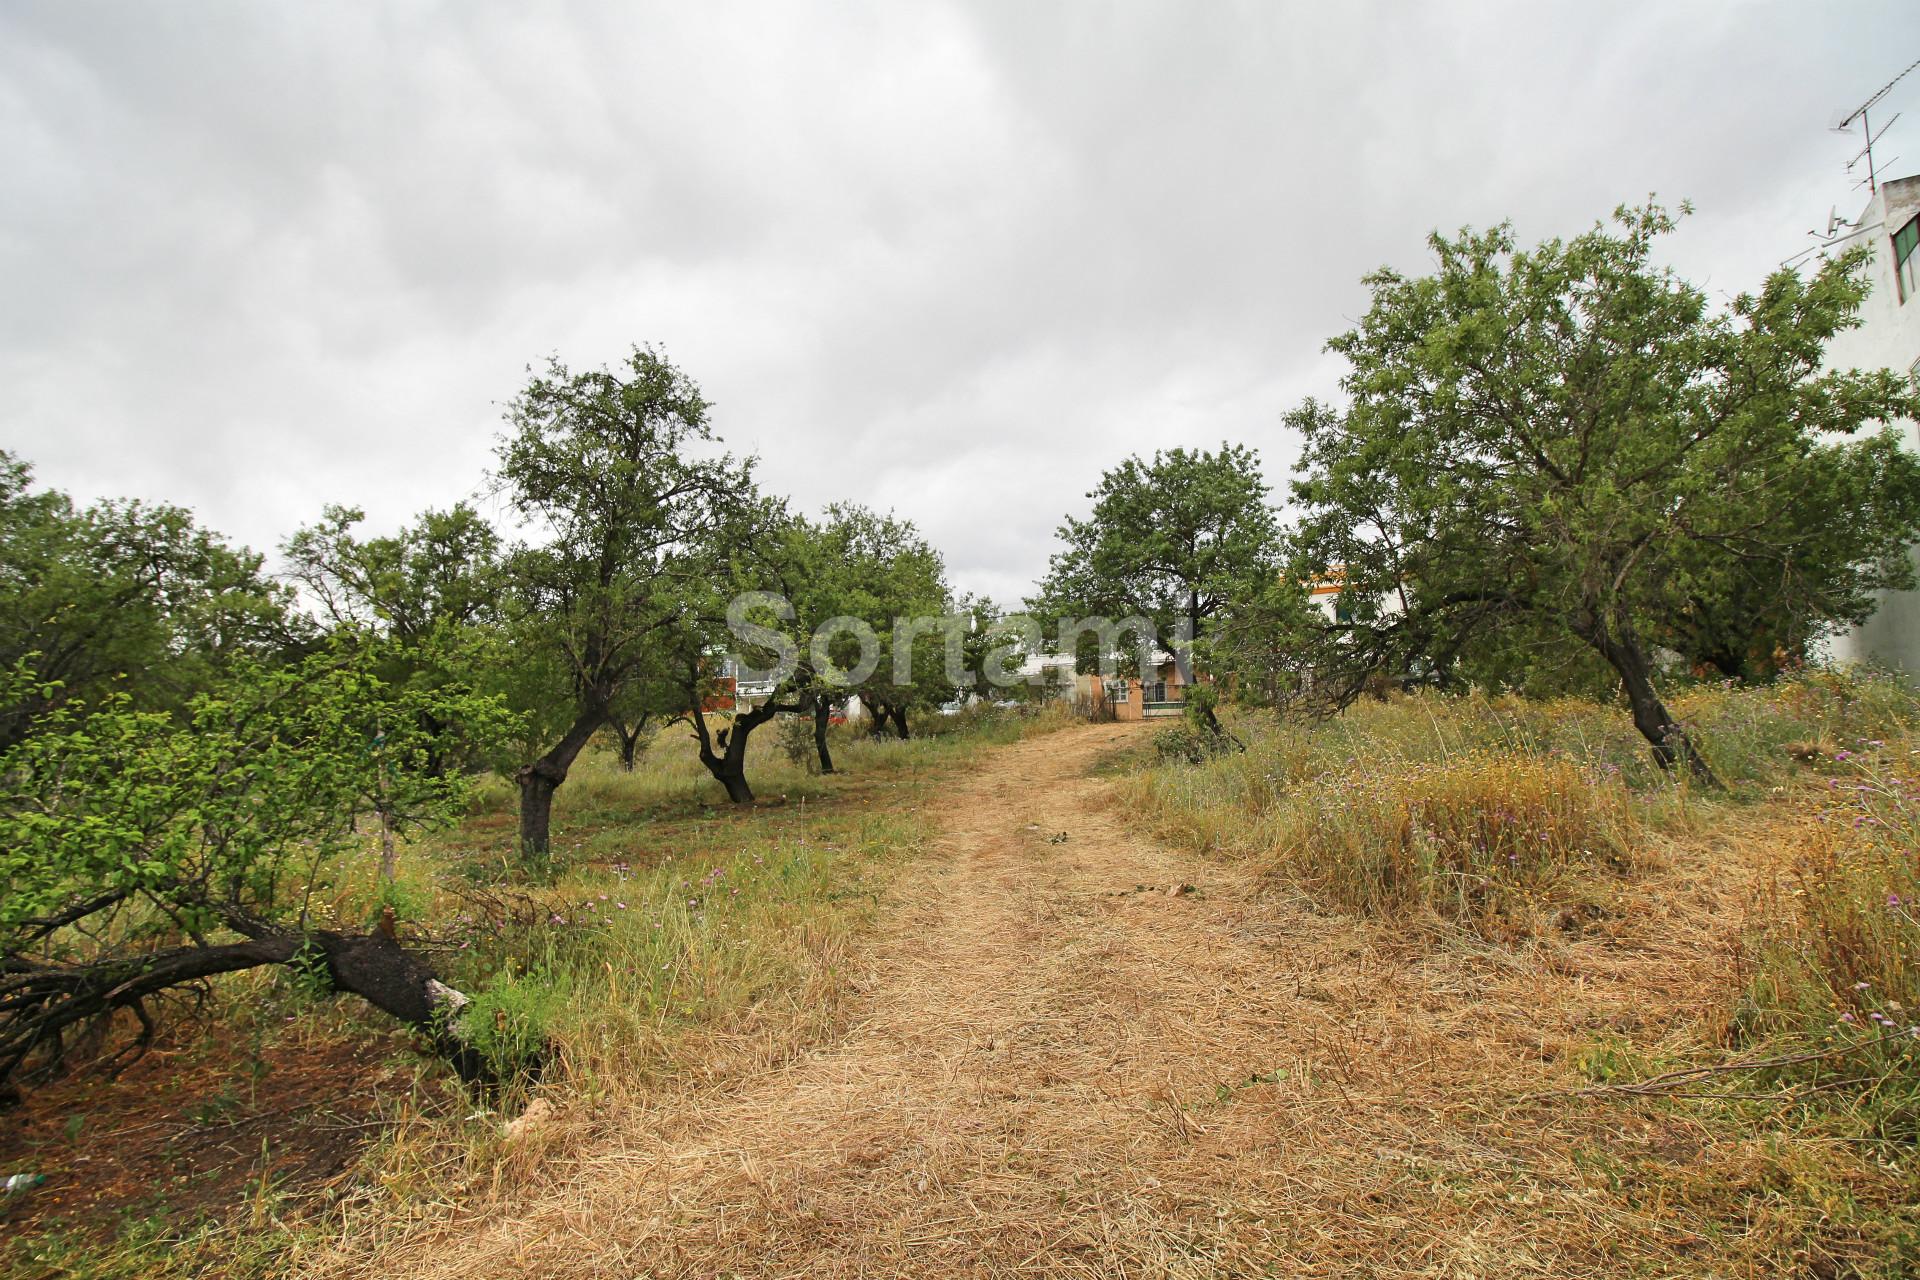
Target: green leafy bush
{"points": [[1186, 743], [511, 1022]]}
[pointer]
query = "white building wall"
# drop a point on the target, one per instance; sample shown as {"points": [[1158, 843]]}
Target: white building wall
{"points": [[1888, 338]]}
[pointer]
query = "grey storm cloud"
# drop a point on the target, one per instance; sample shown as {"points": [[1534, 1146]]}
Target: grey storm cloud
{"points": [[953, 260]]}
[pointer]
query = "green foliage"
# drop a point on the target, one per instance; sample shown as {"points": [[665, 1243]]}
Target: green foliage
{"points": [[1199, 736], [123, 598], [831, 592], [1260, 647], [1189, 743], [145, 853], [233, 818], [1537, 659], [429, 593], [1174, 541], [1201, 702], [796, 743], [532, 682], [819, 600], [607, 465], [881, 570], [406, 897], [438, 574], [1566, 444], [511, 1022]]}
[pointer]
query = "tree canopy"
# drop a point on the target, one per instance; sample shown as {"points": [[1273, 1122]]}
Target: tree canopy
{"points": [[440, 572], [1176, 541], [1173, 540], [124, 596], [1568, 440], [889, 575]]}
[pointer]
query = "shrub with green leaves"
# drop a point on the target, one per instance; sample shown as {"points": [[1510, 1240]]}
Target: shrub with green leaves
{"points": [[146, 855], [510, 1023]]}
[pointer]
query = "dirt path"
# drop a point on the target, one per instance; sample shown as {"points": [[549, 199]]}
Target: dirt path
{"points": [[1063, 1062]]}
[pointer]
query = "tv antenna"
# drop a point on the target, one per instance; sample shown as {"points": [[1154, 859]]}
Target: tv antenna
{"points": [[1860, 113]]}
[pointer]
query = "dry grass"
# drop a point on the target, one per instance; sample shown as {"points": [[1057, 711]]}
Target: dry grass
{"points": [[1836, 962], [1059, 1059], [1775, 925], [1477, 837], [1061, 1044]]}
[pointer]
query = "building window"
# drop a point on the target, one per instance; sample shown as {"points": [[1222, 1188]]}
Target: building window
{"points": [[1905, 241]]}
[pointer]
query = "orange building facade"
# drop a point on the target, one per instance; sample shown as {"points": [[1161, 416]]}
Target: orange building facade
{"points": [[1134, 699]]}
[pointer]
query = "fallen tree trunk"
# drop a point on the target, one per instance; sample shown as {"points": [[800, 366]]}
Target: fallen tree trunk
{"points": [[41, 1001]]}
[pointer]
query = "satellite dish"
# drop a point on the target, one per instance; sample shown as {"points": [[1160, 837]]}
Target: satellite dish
{"points": [[1833, 221]]}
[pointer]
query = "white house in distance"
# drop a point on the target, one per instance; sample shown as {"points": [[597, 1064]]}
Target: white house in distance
{"points": [[1324, 590], [1888, 338]]}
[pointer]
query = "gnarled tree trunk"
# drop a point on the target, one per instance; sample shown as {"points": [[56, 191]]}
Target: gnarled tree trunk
{"points": [[888, 716], [729, 765], [725, 753], [822, 714], [1670, 743], [539, 780]]}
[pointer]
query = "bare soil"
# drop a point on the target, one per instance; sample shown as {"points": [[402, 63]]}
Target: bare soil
{"points": [[193, 1129]]}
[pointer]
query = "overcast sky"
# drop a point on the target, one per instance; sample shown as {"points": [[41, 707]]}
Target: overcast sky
{"points": [[953, 260]]}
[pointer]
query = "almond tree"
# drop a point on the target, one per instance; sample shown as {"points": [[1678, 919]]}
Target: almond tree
{"points": [[1570, 440], [430, 592], [1175, 540], [124, 595], [789, 596], [740, 607], [609, 471], [881, 572]]}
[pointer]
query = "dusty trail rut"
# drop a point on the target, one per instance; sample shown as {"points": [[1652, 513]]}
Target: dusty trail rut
{"points": [[1060, 1062]]}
